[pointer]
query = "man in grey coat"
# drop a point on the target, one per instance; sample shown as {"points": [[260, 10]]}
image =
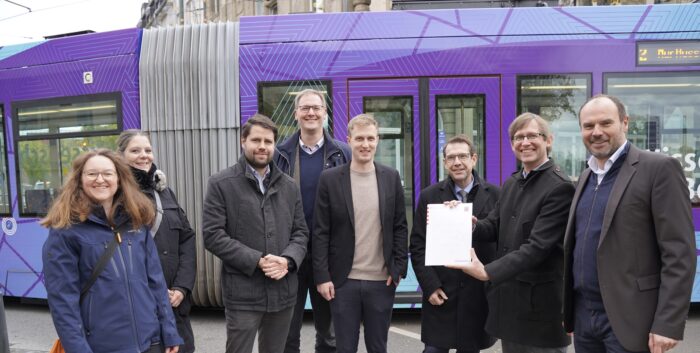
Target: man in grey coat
{"points": [[254, 222]]}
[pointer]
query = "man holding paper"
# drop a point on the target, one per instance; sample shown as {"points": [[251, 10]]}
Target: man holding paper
{"points": [[454, 305], [524, 283]]}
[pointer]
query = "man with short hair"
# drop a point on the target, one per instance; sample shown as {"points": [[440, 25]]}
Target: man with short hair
{"points": [[303, 156], [630, 247], [253, 221], [360, 241], [524, 282], [454, 304]]}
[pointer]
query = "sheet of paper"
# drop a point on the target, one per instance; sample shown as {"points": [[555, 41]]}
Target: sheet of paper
{"points": [[448, 234]]}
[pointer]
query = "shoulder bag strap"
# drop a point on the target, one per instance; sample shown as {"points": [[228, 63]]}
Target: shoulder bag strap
{"points": [[101, 263], [159, 213]]}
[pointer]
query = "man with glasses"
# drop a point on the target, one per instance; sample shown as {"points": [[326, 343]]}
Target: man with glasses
{"points": [[303, 156], [630, 247], [524, 282], [454, 304]]}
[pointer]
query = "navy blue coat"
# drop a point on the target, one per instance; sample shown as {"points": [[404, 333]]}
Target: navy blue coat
{"points": [[127, 309]]}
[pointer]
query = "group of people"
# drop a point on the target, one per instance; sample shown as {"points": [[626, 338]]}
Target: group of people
{"points": [[609, 260]]}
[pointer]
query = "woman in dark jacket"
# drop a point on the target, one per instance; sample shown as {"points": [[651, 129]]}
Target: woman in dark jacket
{"points": [[126, 309], [174, 237]]}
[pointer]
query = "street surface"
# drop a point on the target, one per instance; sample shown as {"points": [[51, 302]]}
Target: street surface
{"points": [[31, 331]]}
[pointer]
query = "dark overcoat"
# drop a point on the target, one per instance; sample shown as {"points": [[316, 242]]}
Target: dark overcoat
{"points": [[459, 322], [525, 289]]}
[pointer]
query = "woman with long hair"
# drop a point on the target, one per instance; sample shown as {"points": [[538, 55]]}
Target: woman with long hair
{"points": [[126, 309], [173, 235]]}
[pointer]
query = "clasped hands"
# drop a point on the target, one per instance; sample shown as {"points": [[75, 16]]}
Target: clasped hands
{"points": [[275, 267]]}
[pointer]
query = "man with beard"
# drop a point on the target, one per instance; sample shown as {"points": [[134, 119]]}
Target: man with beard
{"points": [[253, 221], [629, 246], [454, 305]]}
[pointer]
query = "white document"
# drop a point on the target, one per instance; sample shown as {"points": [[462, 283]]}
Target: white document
{"points": [[448, 234]]}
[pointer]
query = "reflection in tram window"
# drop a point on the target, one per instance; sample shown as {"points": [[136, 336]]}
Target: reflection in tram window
{"points": [[4, 190], [463, 114], [276, 101], [557, 98], [395, 149], [51, 134], [664, 112]]}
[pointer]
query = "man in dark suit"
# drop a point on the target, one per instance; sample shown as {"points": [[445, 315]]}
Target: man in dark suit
{"points": [[454, 304], [524, 282], [360, 241], [630, 249]]}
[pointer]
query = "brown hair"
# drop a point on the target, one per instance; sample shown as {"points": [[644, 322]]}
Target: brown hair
{"points": [[362, 120], [73, 206], [621, 111], [461, 138], [126, 136], [308, 92], [259, 120], [523, 120]]}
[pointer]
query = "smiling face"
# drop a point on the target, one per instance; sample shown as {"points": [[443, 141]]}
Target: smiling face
{"points": [[100, 181], [601, 129], [259, 147], [310, 113], [363, 140], [139, 153], [459, 162], [531, 151]]}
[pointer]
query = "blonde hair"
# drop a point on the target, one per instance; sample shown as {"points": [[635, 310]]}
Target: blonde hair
{"points": [[362, 120], [73, 205]]}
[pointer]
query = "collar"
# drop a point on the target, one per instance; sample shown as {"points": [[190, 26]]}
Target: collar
{"points": [[311, 149], [593, 163], [535, 169], [255, 172]]}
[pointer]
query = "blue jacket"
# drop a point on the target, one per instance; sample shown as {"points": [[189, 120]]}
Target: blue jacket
{"points": [[337, 153], [127, 309]]}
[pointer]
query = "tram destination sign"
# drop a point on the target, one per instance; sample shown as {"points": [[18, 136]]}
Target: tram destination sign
{"points": [[657, 53]]}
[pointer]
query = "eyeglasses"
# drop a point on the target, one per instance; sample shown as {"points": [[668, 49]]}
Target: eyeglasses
{"points": [[529, 137], [462, 158], [106, 175], [306, 108]]}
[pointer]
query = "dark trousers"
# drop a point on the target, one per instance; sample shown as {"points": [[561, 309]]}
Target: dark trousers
{"points": [[512, 347], [593, 333], [325, 337], [367, 302], [243, 325], [156, 348], [431, 349]]}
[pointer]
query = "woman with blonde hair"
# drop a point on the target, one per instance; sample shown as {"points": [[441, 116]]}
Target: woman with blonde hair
{"points": [[126, 307]]}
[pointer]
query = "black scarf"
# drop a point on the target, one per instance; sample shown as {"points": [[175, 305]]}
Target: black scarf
{"points": [[145, 179]]}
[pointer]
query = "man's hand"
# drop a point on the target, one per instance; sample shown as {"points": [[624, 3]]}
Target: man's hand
{"points": [[438, 297], [175, 297], [172, 349], [389, 281], [474, 268], [451, 204], [275, 267], [327, 290], [660, 344]]}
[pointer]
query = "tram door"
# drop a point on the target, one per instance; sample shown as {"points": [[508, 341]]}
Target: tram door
{"points": [[416, 117]]}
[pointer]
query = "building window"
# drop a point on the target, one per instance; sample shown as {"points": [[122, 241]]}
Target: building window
{"points": [[664, 113], [557, 98], [51, 133]]}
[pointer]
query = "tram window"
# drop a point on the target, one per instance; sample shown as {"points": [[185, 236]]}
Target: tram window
{"points": [[4, 189], [276, 101], [463, 114], [395, 149], [664, 116], [51, 133], [557, 98]]}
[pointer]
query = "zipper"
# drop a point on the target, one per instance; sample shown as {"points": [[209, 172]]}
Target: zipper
{"points": [[129, 295], [131, 259], [89, 316]]}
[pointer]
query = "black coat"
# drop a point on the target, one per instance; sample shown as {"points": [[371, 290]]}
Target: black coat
{"points": [[334, 221], [525, 289], [459, 322]]}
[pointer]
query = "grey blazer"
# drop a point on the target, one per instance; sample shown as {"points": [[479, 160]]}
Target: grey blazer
{"points": [[646, 254]]}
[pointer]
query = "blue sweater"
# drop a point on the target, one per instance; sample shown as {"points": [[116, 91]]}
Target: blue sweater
{"points": [[310, 168], [589, 221]]}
